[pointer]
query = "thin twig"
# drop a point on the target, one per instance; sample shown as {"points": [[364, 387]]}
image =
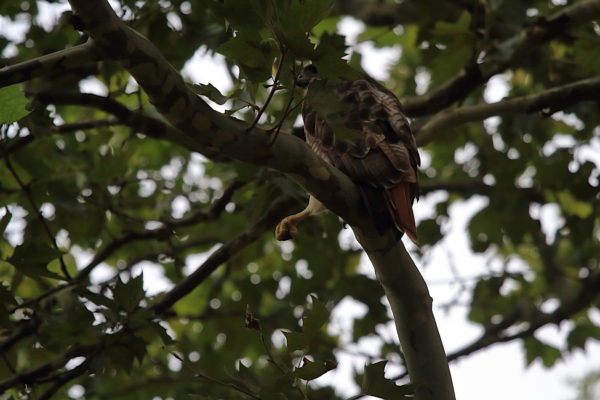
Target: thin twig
{"points": [[269, 354], [199, 374], [287, 111], [25, 189], [272, 92]]}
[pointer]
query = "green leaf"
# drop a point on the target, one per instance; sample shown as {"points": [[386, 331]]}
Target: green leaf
{"points": [[328, 58], [297, 20], [296, 340], [573, 206], [312, 370], [315, 318], [375, 384], [429, 232], [303, 15], [240, 48], [12, 104], [535, 349], [254, 56], [580, 334], [444, 30], [32, 258], [128, 295], [209, 91]]}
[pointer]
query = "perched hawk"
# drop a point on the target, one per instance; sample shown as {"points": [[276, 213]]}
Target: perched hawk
{"points": [[367, 136]]}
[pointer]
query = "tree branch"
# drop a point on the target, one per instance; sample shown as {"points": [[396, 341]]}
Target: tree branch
{"points": [[208, 129], [278, 210], [474, 75], [54, 63], [138, 121], [587, 294], [44, 370], [548, 101], [22, 141], [184, 110]]}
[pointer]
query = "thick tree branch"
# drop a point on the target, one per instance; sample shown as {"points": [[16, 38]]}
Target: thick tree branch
{"points": [[54, 63], [216, 132], [549, 101], [411, 306], [211, 130]]}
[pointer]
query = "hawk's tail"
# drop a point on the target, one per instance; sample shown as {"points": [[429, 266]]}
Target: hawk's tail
{"points": [[399, 202]]}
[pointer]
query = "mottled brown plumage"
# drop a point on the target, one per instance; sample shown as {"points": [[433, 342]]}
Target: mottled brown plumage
{"points": [[383, 155], [367, 136]]}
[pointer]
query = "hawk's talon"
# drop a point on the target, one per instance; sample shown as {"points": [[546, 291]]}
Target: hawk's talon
{"points": [[286, 230]]}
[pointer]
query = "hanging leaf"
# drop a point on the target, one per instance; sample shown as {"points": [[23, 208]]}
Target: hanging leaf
{"points": [[375, 384], [315, 318], [312, 370], [32, 258], [12, 104], [128, 295], [208, 90]]}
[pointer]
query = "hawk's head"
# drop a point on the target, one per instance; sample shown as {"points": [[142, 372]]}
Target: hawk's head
{"points": [[307, 74]]}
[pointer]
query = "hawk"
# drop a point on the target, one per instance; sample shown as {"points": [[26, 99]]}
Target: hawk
{"points": [[366, 135]]}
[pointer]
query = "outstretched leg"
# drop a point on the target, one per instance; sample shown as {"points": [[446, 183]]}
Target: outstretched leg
{"points": [[287, 229]]}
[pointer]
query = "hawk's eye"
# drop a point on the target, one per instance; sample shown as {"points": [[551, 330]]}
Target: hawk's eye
{"points": [[310, 70]]}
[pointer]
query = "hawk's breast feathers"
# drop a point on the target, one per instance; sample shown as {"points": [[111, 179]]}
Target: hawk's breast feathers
{"points": [[382, 153]]}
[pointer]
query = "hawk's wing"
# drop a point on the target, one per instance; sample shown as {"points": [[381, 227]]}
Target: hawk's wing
{"points": [[384, 155]]}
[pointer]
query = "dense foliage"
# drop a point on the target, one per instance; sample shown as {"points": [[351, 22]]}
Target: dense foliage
{"points": [[132, 266]]}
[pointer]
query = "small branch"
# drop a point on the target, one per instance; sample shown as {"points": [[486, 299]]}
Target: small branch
{"points": [[267, 221], [44, 370], [548, 101], [26, 190], [287, 111], [20, 142], [26, 328], [210, 378], [274, 88], [588, 293], [48, 64], [213, 212], [84, 125], [474, 75], [149, 126], [116, 244], [64, 378]]}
